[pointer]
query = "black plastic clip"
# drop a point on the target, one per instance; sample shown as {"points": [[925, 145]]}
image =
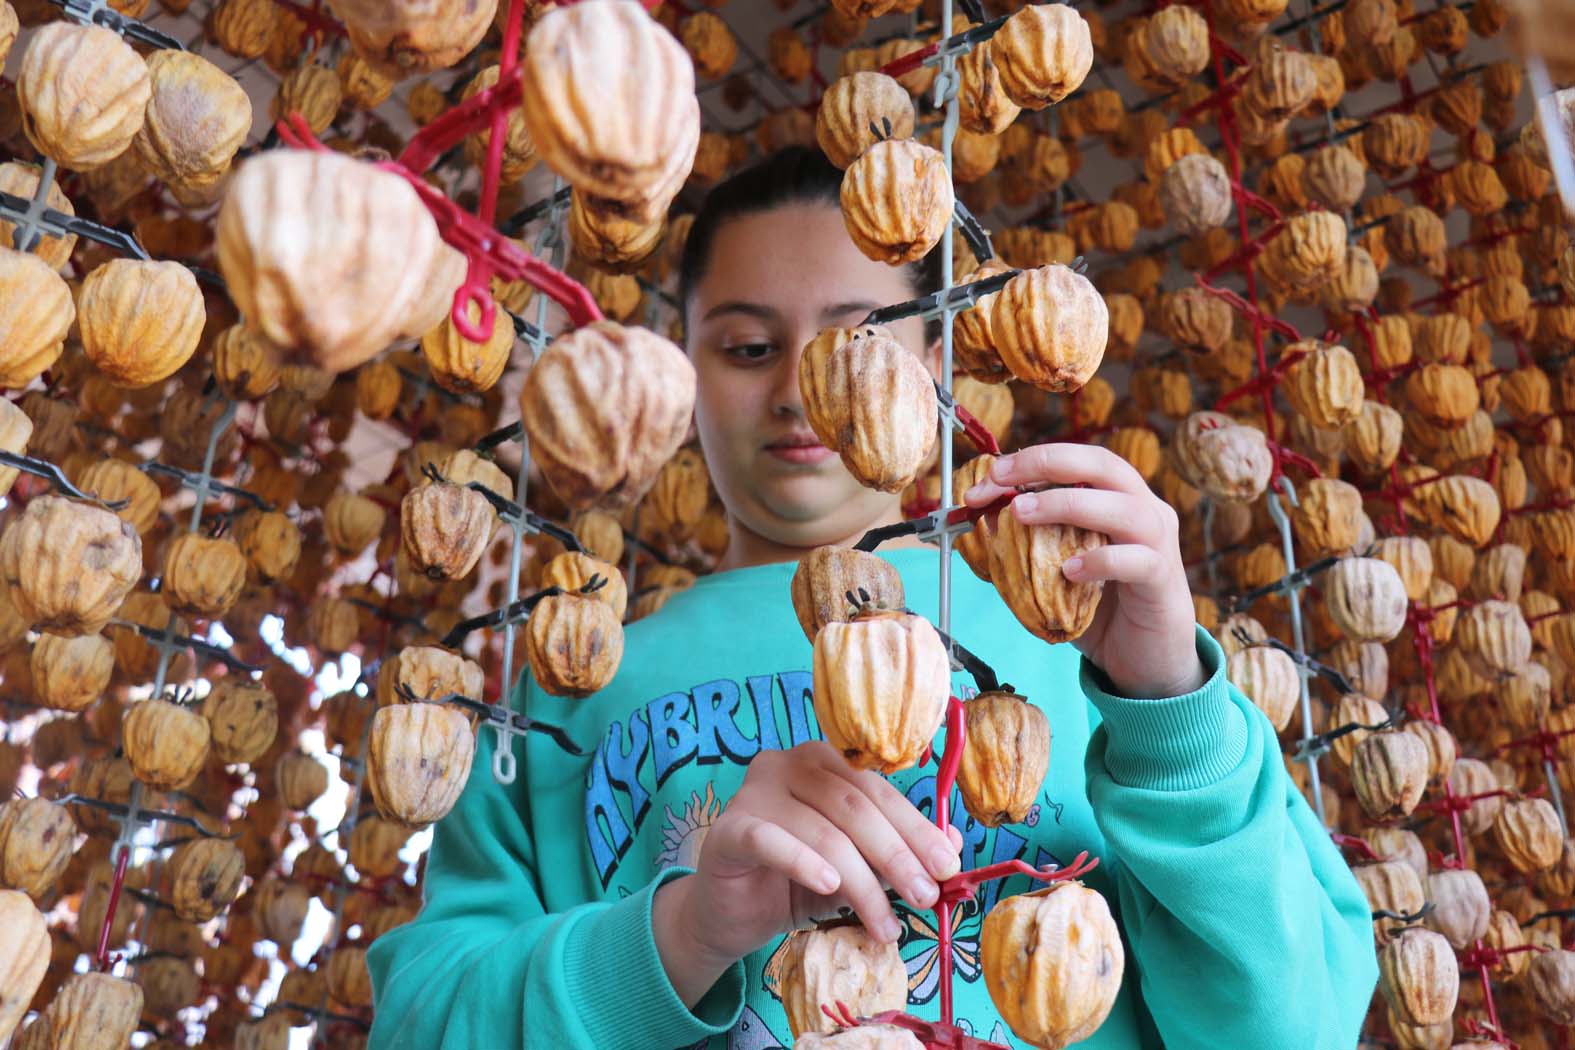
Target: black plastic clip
{"points": [[506, 718], [42, 468], [199, 482]]}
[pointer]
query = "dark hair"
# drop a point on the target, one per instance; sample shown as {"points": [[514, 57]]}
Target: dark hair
{"points": [[794, 175]]}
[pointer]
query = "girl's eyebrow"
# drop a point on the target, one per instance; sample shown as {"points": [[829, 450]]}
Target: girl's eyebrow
{"points": [[739, 306], [859, 306]]}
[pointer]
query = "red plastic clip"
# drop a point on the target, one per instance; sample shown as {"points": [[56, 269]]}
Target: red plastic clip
{"points": [[318, 23], [976, 432], [935, 1035], [1355, 844], [101, 957], [909, 62], [1249, 310], [962, 886]]}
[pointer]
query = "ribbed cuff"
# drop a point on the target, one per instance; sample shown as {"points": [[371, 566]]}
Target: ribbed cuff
{"points": [[625, 998], [1174, 744]]}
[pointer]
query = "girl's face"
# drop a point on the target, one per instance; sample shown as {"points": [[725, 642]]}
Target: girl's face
{"points": [[773, 281]]}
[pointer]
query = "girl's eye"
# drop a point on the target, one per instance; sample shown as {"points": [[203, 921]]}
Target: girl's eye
{"points": [[749, 351]]}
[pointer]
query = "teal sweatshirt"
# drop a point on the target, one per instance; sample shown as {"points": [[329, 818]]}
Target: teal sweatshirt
{"points": [[1243, 926]]}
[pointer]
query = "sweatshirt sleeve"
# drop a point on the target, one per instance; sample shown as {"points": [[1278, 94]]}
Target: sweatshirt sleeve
{"points": [[486, 965], [1246, 925]]}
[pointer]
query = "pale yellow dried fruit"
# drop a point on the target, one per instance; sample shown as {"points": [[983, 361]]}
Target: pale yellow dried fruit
{"points": [[461, 366], [1389, 772], [859, 110], [1325, 385], [140, 320], [1419, 977], [876, 403], [36, 312], [67, 566], [881, 682], [1530, 834], [197, 117], [165, 743], [83, 92], [1195, 191], [609, 100], [205, 876], [1052, 962], [519, 151], [574, 644], [1050, 327], [25, 949], [243, 719], [838, 964], [1366, 598], [604, 407], [1444, 395], [1372, 438], [424, 672], [1326, 516], [827, 575], [615, 244], [1268, 678], [1552, 980], [573, 572], [412, 36], [1043, 53], [1494, 637], [444, 528], [982, 104], [245, 366], [93, 1010], [311, 90], [328, 257], [1356, 709], [1308, 253], [352, 521], [69, 674], [203, 576], [897, 200], [1025, 566], [418, 761], [301, 779], [1461, 907], [1005, 757], [37, 838], [1391, 886]]}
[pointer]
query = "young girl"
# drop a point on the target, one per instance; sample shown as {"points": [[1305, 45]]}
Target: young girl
{"points": [[637, 898]]}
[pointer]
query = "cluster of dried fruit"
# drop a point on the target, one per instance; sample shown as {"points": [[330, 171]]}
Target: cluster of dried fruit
{"points": [[1432, 404]]}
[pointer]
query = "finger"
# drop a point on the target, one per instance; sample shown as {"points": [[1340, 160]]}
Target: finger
{"points": [[858, 887], [844, 803], [1123, 518], [956, 839], [1069, 464], [755, 842], [986, 492], [929, 843], [1122, 563]]}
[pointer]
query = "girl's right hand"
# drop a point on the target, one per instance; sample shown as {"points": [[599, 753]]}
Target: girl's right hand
{"points": [[805, 835]]}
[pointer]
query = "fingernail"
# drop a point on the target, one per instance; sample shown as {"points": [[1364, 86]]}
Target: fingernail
{"points": [[1072, 566], [944, 862], [922, 891], [1027, 503], [1001, 468], [827, 882], [890, 929], [973, 492]]}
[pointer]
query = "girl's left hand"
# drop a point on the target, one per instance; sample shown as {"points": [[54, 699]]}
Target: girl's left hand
{"points": [[1142, 635]]}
